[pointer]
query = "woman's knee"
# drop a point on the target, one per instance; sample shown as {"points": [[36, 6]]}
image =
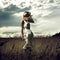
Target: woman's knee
{"points": [[26, 41]]}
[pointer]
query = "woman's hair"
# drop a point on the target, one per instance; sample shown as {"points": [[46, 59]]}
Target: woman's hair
{"points": [[26, 14]]}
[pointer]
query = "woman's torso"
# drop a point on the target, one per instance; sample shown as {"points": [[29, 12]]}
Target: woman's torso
{"points": [[27, 27]]}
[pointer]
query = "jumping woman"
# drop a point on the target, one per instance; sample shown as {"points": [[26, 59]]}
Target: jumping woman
{"points": [[26, 32]]}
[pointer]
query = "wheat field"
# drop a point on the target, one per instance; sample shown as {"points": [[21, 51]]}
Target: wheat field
{"points": [[44, 48]]}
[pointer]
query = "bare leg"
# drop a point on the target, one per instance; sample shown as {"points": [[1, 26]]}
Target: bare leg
{"points": [[26, 40]]}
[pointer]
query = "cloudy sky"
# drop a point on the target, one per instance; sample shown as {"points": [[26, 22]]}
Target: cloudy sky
{"points": [[46, 14]]}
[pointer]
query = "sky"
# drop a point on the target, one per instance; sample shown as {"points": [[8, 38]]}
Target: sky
{"points": [[45, 13]]}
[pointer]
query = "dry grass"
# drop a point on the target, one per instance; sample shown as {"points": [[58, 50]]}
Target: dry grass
{"points": [[44, 48]]}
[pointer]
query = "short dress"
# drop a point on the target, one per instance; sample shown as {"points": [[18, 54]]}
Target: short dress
{"points": [[28, 35]]}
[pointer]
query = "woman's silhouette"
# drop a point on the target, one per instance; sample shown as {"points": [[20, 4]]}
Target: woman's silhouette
{"points": [[26, 32]]}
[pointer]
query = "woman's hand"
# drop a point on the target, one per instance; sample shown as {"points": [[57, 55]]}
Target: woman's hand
{"points": [[22, 37]]}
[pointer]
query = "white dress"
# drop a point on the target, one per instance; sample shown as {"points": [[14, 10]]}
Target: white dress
{"points": [[28, 35]]}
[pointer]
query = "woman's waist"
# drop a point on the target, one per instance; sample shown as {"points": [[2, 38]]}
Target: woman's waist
{"points": [[27, 30]]}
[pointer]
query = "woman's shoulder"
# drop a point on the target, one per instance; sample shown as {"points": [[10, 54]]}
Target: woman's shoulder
{"points": [[22, 21]]}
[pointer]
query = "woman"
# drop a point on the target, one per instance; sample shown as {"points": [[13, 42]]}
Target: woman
{"points": [[27, 34]]}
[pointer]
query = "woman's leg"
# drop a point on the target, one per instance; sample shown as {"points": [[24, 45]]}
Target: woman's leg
{"points": [[26, 43], [28, 40]]}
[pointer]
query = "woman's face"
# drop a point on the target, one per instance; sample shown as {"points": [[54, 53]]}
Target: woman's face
{"points": [[27, 16]]}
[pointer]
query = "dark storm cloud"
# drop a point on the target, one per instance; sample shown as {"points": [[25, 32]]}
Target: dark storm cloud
{"points": [[51, 1], [5, 2], [4, 15], [8, 11], [14, 9], [7, 18]]}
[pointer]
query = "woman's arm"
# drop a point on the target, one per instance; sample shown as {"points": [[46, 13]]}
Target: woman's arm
{"points": [[22, 27], [31, 19]]}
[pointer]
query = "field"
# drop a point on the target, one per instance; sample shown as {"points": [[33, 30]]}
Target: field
{"points": [[44, 48]]}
